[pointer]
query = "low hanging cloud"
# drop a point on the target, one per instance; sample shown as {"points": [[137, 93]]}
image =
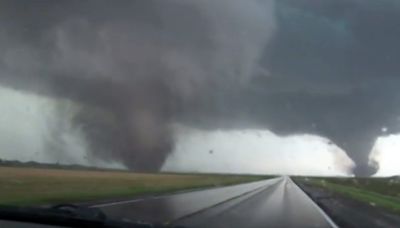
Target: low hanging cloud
{"points": [[256, 152]]}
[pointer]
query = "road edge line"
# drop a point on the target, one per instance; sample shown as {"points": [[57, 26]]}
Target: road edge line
{"points": [[322, 212]]}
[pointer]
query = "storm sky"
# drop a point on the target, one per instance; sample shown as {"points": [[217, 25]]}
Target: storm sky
{"points": [[132, 69]]}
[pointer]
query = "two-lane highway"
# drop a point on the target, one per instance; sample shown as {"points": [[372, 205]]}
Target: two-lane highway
{"points": [[276, 202]]}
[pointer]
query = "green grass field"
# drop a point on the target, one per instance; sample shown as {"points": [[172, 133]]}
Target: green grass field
{"points": [[380, 192], [36, 186]]}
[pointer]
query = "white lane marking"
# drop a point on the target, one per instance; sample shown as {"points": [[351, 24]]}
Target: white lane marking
{"points": [[247, 194], [172, 194], [322, 212], [126, 201]]}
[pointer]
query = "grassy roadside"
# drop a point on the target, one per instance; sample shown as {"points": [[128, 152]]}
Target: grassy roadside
{"points": [[389, 202], [35, 186], [389, 186]]}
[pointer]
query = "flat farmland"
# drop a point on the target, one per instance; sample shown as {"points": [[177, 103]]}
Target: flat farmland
{"points": [[375, 191], [24, 186]]}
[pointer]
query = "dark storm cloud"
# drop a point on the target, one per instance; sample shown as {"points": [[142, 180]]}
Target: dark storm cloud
{"points": [[344, 56], [333, 71], [134, 64], [331, 68]]}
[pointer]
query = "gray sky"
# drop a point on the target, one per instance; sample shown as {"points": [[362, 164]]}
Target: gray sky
{"points": [[327, 68]]}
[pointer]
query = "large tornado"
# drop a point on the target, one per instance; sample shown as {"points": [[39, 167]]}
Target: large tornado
{"points": [[136, 67], [133, 66], [335, 70]]}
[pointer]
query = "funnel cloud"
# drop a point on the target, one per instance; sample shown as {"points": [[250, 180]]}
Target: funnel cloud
{"points": [[136, 68]]}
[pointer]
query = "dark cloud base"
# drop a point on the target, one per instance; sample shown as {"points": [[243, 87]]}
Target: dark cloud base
{"points": [[331, 69]]}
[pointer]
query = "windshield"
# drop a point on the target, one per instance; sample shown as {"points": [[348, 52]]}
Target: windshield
{"points": [[92, 93]]}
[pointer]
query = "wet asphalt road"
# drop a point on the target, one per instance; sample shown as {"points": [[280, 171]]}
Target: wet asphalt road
{"points": [[271, 203]]}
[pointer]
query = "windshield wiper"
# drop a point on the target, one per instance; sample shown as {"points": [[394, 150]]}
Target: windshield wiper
{"points": [[68, 215]]}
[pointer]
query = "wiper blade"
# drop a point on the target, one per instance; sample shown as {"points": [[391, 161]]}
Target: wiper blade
{"points": [[78, 211], [68, 215]]}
